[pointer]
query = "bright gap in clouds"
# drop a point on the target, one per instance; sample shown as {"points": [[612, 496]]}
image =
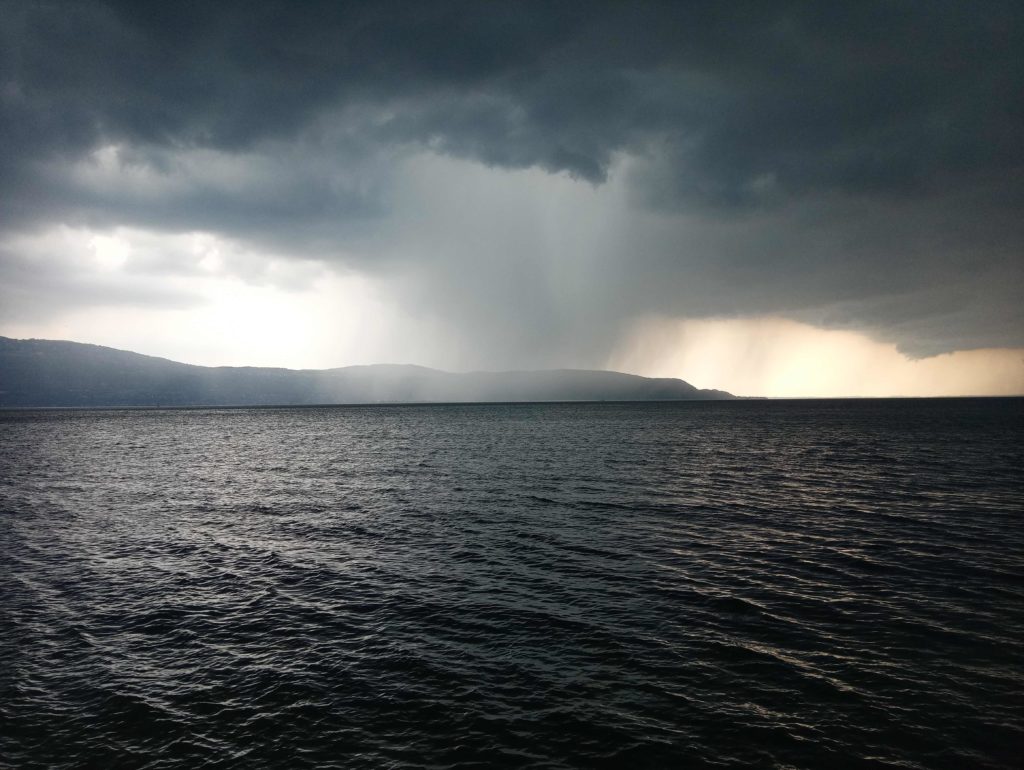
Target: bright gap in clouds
{"points": [[217, 305], [338, 321], [778, 358]]}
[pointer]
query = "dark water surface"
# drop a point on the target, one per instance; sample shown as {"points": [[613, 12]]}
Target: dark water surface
{"points": [[768, 584]]}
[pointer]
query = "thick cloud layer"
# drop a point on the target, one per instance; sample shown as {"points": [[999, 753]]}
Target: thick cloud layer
{"points": [[856, 165]]}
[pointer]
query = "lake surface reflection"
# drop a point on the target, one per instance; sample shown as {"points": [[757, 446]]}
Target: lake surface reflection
{"points": [[773, 584]]}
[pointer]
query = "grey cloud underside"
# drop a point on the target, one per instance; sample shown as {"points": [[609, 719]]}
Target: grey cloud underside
{"points": [[858, 164], [860, 96]]}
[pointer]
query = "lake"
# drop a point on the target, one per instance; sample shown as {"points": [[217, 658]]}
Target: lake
{"points": [[695, 584]]}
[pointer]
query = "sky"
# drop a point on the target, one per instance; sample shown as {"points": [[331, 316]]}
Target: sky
{"points": [[778, 199]]}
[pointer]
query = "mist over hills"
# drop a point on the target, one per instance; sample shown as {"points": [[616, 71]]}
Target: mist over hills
{"points": [[51, 373]]}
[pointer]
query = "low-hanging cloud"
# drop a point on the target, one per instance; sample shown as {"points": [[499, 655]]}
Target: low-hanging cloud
{"points": [[532, 179]]}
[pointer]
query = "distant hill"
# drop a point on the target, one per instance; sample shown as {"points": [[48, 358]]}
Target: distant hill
{"points": [[54, 373]]}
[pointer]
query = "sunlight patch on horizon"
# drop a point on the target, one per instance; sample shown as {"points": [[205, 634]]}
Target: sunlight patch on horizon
{"points": [[779, 358], [197, 298], [339, 320]]}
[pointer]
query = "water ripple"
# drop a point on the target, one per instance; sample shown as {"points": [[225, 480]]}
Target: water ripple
{"points": [[735, 584]]}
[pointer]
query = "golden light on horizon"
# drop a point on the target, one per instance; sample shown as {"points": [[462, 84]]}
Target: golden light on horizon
{"points": [[779, 358]]}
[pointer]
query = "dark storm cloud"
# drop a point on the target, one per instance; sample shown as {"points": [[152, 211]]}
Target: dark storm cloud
{"points": [[864, 96], [825, 158]]}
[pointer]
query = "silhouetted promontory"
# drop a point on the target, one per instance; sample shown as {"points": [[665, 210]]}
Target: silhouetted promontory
{"points": [[50, 373]]}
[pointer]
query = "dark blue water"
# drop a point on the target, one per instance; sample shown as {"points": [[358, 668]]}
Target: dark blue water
{"points": [[737, 584]]}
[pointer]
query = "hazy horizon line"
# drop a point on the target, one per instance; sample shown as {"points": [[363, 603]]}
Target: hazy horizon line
{"points": [[739, 397]]}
